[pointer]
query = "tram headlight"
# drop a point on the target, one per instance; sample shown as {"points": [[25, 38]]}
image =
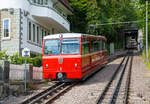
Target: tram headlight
{"points": [[60, 75]]}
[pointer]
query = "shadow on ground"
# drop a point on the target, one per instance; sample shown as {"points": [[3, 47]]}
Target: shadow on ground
{"points": [[101, 76]]}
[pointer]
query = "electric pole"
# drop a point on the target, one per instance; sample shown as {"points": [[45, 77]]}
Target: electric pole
{"points": [[146, 30]]}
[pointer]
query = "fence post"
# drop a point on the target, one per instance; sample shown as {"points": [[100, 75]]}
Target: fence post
{"points": [[4, 70], [42, 72]]}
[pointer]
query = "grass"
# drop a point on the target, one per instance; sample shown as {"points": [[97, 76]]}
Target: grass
{"points": [[144, 57], [15, 80], [147, 64]]}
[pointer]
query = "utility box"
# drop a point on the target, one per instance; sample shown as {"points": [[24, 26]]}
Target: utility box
{"points": [[29, 72], [112, 50]]}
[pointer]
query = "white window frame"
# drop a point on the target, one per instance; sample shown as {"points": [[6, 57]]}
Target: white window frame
{"points": [[6, 38], [29, 31]]}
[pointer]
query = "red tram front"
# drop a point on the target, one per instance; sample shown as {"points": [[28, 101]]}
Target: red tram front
{"points": [[72, 56]]}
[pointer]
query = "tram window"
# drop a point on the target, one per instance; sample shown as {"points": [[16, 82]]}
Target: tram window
{"points": [[83, 41], [92, 45], [100, 45], [104, 45], [96, 45], [70, 46], [85, 46], [83, 50], [52, 47]]}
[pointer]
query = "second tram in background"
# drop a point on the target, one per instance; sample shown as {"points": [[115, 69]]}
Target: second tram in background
{"points": [[72, 56]]}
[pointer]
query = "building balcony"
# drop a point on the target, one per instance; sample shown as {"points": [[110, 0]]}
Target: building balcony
{"points": [[49, 17], [42, 11]]}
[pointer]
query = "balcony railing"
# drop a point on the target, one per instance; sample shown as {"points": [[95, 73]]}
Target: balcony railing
{"points": [[44, 3], [40, 2]]}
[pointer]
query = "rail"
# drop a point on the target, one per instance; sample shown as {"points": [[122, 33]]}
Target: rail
{"points": [[100, 99], [117, 88], [128, 83], [49, 94], [118, 83]]}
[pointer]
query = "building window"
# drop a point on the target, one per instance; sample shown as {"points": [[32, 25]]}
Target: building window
{"points": [[45, 33], [34, 1], [46, 2], [33, 33], [6, 28], [38, 1], [41, 2], [53, 31], [37, 34], [29, 30], [42, 34]]}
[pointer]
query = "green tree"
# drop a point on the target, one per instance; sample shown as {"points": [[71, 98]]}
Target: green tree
{"points": [[89, 12]]}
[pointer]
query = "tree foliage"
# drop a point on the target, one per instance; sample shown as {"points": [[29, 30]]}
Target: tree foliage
{"points": [[141, 5], [88, 14]]}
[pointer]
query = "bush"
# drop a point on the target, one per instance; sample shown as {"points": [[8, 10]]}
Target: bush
{"points": [[37, 61], [18, 60], [3, 55]]}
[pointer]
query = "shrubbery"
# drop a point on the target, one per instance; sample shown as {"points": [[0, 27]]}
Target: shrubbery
{"points": [[3, 55], [18, 60]]}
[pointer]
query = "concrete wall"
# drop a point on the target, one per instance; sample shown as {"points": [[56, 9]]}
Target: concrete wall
{"points": [[33, 73]]}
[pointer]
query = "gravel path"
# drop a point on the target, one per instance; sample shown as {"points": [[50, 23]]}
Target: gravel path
{"points": [[140, 82], [88, 92]]}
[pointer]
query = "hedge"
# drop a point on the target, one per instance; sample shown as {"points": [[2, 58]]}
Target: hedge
{"points": [[18, 60]]}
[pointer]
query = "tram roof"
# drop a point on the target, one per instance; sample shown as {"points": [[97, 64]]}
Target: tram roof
{"points": [[70, 35]]}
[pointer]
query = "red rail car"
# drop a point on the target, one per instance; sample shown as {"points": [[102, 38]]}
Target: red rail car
{"points": [[72, 56]]}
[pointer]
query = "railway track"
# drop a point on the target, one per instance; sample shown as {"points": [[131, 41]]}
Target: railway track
{"points": [[53, 92], [50, 94], [117, 89]]}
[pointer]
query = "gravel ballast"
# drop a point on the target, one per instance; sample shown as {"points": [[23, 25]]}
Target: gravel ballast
{"points": [[89, 91], [140, 82]]}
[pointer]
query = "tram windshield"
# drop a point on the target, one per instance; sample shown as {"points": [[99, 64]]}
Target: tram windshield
{"points": [[52, 47], [70, 46], [67, 46]]}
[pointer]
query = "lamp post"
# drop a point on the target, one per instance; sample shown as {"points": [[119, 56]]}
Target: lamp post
{"points": [[146, 30]]}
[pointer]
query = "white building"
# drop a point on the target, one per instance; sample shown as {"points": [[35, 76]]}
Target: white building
{"points": [[24, 23]]}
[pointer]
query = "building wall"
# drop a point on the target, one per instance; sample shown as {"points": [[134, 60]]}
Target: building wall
{"points": [[44, 17], [12, 44], [34, 47], [25, 43]]}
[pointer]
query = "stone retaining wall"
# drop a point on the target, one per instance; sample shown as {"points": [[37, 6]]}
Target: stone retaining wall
{"points": [[11, 44]]}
